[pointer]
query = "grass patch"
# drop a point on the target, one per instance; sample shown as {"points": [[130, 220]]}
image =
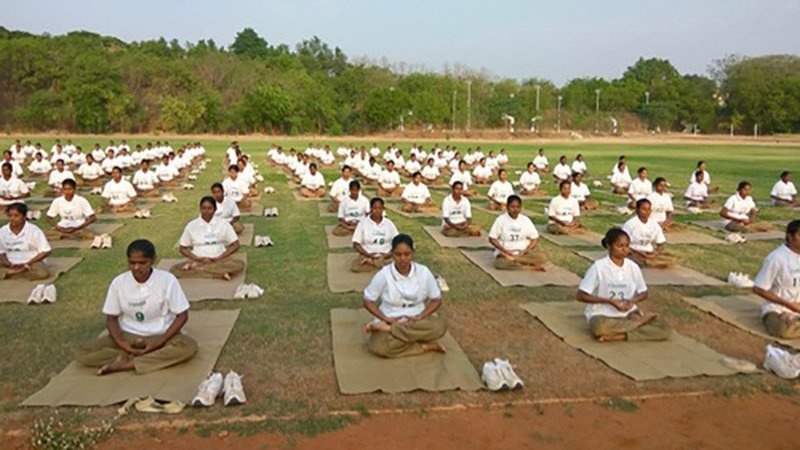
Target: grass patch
{"points": [[621, 404]]}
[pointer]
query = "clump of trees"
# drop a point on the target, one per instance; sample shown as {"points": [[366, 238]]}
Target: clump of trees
{"points": [[85, 82]]}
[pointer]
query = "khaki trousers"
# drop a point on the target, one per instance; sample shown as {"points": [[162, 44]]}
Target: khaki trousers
{"points": [[590, 205], [238, 227], [103, 350], [362, 264], [230, 266], [555, 228], [406, 339], [38, 271], [534, 260], [319, 193], [471, 230], [333, 207], [655, 330], [663, 261], [81, 235], [752, 227], [779, 327], [341, 230], [394, 193]]}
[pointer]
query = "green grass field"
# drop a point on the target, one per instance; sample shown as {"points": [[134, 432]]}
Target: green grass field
{"points": [[282, 343]]}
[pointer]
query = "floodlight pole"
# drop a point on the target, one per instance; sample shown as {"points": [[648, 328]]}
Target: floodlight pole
{"points": [[538, 88], [596, 109], [469, 103], [558, 127], [454, 110]]}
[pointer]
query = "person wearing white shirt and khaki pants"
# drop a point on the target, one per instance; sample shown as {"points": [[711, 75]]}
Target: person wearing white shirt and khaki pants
{"points": [[740, 211], [564, 212], [646, 239], [75, 214], [514, 238], [457, 214], [372, 239], [778, 282], [352, 209], [145, 311], [406, 320]]}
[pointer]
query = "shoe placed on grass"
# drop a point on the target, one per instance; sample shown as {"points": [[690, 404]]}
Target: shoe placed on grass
{"points": [[266, 241], [624, 210], [97, 242], [209, 390], [508, 374], [233, 392], [442, 284], [106, 241], [257, 241], [31, 185], [492, 377], [259, 178], [597, 183], [241, 291], [782, 363], [735, 238], [192, 177], [49, 294], [694, 210], [187, 186], [254, 291], [96, 191], [36, 295]]}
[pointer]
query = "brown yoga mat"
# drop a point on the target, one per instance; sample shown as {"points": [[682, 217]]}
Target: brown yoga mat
{"points": [[323, 210], [256, 209], [397, 209], [587, 238], [337, 241], [678, 357], [123, 215], [205, 288], [691, 237], [340, 278], [674, 276], [20, 290], [719, 225], [359, 372], [248, 231], [299, 197], [78, 384], [435, 232], [553, 276], [741, 311], [96, 228]]}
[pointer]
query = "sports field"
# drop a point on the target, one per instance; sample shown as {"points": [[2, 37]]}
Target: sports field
{"points": [[281, 343]]}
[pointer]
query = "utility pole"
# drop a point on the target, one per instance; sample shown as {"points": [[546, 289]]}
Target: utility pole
{"points": [[469, 103], [538, 88], [596, 109], [558, 127], [454, 110]]}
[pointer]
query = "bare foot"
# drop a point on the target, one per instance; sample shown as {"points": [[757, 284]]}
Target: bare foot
{"points": [[187, 266], [644, 319], [226, 276], [375, 327], [612, 338], [434, 347], [121, 364]]}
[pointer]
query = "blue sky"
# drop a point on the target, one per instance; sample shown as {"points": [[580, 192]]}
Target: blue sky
{"points": [[514, 38]]}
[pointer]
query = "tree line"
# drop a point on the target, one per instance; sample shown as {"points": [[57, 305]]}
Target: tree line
{"points": [[88, 83]]}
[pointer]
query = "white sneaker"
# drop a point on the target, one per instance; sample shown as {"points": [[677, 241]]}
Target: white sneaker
{"points": [[597, 183], [515, 184], [192, 177], [36, 295], [188, 186], [31, 185], [233, 391], [137, 214], [257, 241], [106, 241], [49, 294], [694, 210], [508, 373], [195, 171], [97, 242], [241, 291], [165, 198], [624, 210], [255, 291], [275, 212], [492, 377], [29, 214], [266, 241], [37, 214], [259, 178], [518, 172], [735, 238], [145, 214], [209, 390], [442, 284], [781, 363], [96, 191]]}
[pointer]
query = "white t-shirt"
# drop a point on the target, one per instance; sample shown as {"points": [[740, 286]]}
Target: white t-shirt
{"points": [[562, 171], [563, 209], [607, 280], [640, 189], [500, 190], [72, 213], [389, 180], [514, 234], [482, 172], [464, 177], [13, 187], [227, 210], [340, 188], [375, 237], [430, 172], [145, 309], [373, 172], [412, 166], [696, 191], [145, 180], [21, 248], [208, 239], [579, 166], [456, 212], [416, 193], [784, 191], [351, 210], [235, 189], [579, 191], [402, 295], [706, 177], [660, 205], [738, 207], [57, 177], [118, 193], [540, 161], [780, 274], [644, 236], [40, 167], [167, 172], [530, 180], [313, 182], [91, 171]]}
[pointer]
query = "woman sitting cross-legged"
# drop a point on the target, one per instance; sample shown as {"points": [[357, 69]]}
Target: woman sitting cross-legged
{"points": [[514, 238], [208, 243], [647, 239], [530, 181], [372, 239], [145, 311], [352, 209], [661, 207], [614, 286], [74, 212], [23, 247], [499, 192], [404, 298], [457, 214], [416, 196], [120, 195], [778, 283], [564, 212]]}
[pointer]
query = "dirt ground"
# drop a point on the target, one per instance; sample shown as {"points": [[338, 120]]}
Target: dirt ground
{"points": [[701, 422]]}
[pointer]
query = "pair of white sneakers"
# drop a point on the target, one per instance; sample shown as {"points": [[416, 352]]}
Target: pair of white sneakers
{"points": [[597, 183], [782, 363], [169, 198], [251, 290], [142, 214], [735, 238], [229, 387], [96, 191], [34, 214], [187, 186], [740, 280], [192, 177], [263, 241], [195, 172], [43, 293], [500, 376], [102, 241], [270, 212], [269, 190], [31, 185], [259, 178], [694, 210], [624, 210]]}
